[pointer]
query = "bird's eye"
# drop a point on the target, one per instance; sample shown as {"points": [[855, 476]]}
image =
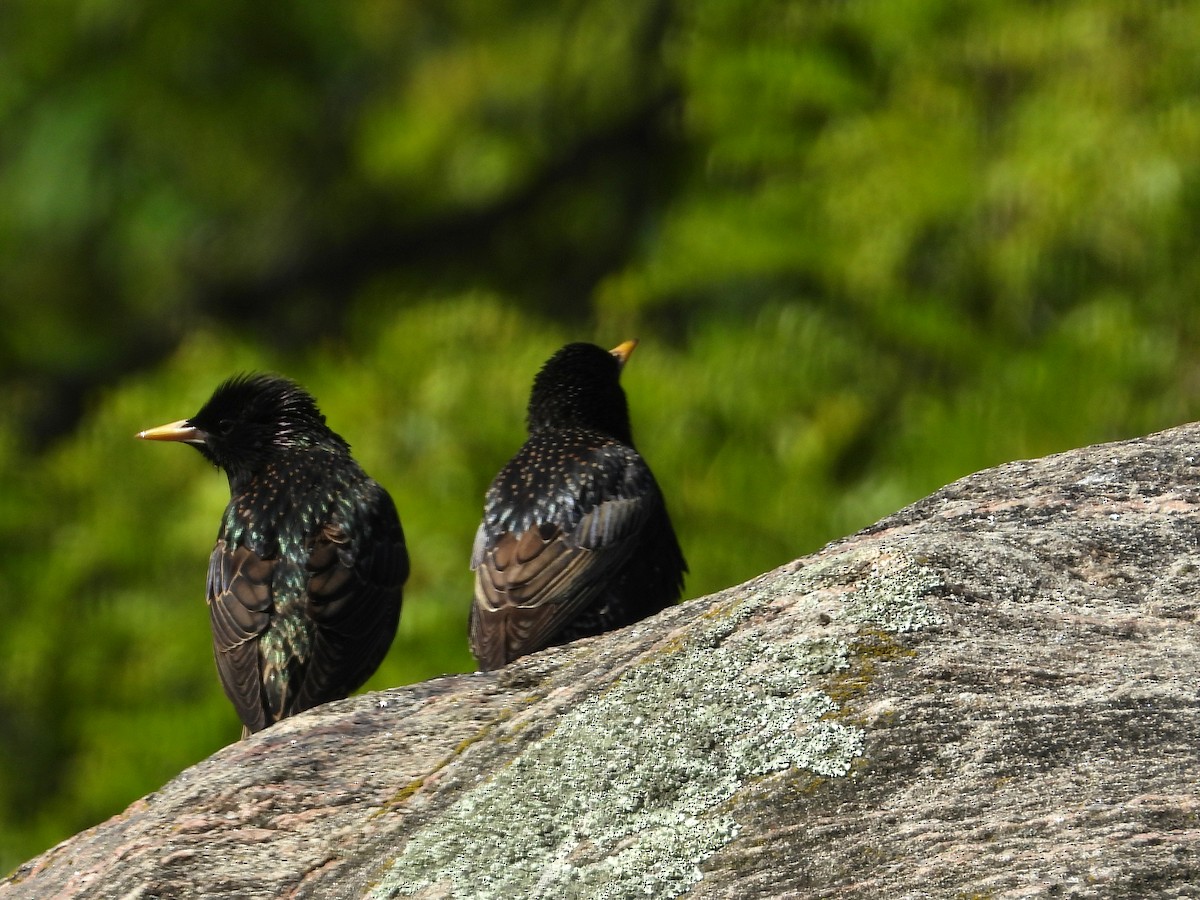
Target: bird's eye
{"points": [[225, 426]]}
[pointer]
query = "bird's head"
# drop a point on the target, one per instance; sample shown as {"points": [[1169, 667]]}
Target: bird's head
{"points": [[247, 421], [580, 386]]}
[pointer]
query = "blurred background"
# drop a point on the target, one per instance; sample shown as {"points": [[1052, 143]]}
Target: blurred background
{"points": [[869, 247]]}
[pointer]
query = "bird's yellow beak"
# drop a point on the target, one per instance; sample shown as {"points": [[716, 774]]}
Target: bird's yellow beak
{"points": [[623, 351], [181, 431]]}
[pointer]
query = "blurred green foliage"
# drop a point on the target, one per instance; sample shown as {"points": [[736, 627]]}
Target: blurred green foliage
{"points": [[869, 247]]}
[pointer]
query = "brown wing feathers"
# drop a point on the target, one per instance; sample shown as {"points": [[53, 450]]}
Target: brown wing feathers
{"points": [[528, 586], [240, 604]]}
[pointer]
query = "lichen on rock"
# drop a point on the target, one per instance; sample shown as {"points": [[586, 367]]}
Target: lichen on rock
{"points": [[625, 796]]}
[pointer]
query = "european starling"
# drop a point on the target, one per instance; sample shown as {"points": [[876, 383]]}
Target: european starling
{"points": [[575, 538], [304, 583]]}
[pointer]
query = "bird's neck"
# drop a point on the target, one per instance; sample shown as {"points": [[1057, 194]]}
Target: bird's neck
{"points": [[615, 427]]}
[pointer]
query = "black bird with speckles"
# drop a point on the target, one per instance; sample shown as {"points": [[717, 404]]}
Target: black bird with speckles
{"points": [[575, 538], [304, 584]]}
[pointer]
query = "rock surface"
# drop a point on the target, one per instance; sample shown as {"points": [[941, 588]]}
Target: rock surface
{"points": [[992, 693]]}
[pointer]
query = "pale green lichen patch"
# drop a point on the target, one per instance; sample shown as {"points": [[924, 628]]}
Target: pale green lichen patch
{"points": [[881, 587], [893, 596], [622, 798], [627, 795]]}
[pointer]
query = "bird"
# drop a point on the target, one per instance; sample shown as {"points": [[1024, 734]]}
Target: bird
{"points": [[305, 580], [575, 538]]}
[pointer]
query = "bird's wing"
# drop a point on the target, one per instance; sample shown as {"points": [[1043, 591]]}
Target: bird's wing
{"points": [[528, 585], [354, 592], [239, 604]]}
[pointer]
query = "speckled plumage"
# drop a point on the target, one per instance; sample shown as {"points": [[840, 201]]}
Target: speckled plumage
{"points": [[305, 581], [575, 538]]}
